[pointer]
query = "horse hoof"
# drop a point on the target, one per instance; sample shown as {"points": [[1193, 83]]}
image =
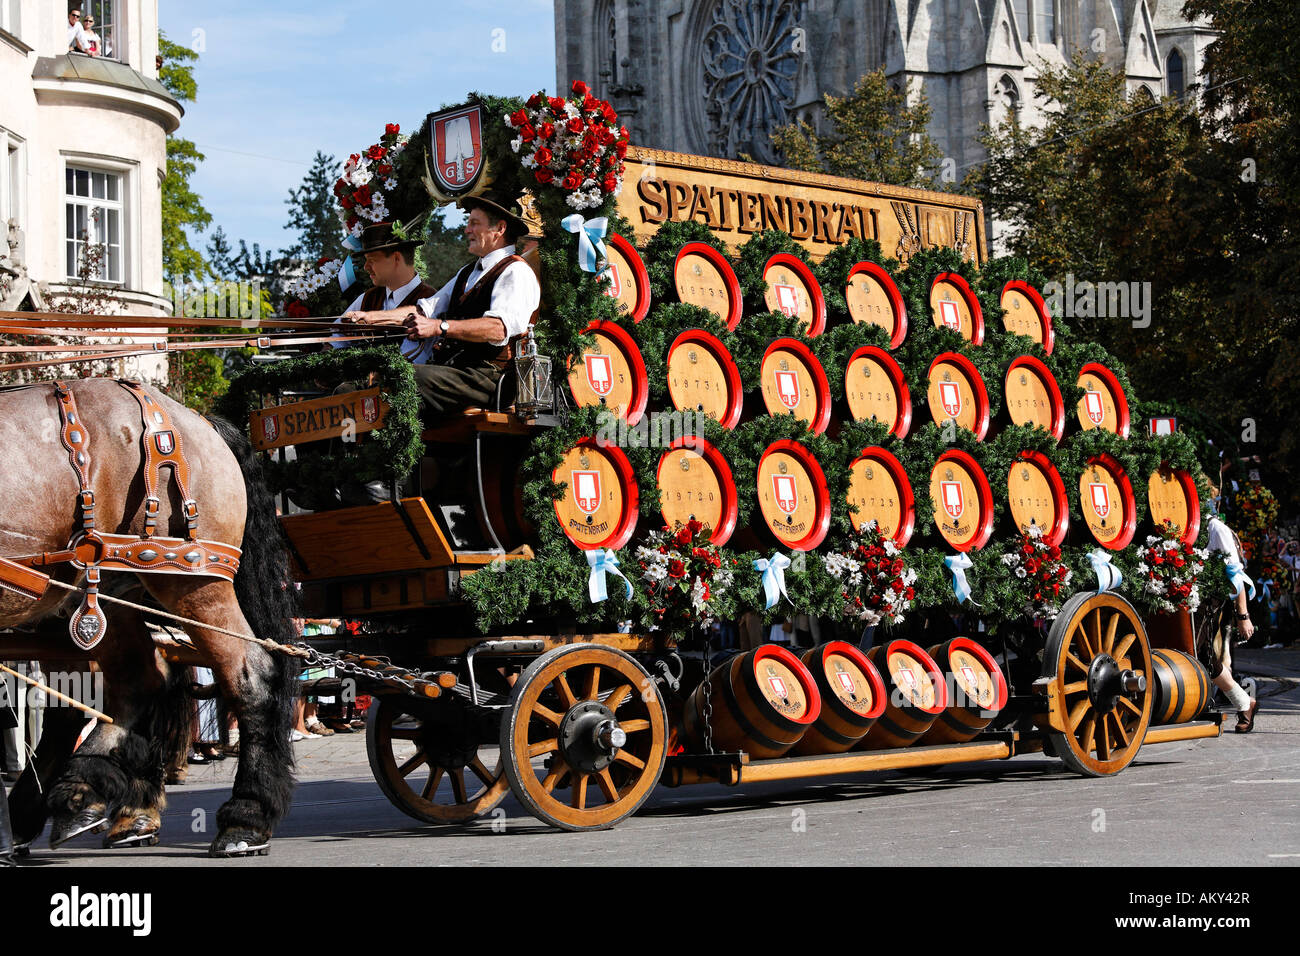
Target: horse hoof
{"points": [[87, 821], [240, 844], [130, 839]]}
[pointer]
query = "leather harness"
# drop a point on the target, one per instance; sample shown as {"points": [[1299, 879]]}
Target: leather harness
{"points": [[95, 551]]}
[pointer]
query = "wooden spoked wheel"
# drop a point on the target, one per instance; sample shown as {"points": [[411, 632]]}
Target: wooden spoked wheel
{"points": [[584, 741], [1099, 659], [432, 771]]}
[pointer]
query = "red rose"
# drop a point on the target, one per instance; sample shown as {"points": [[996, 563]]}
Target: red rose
{"points": [[346, 202], [376, 152], [518, 118], [556, 103], [535, 101], [543, 175], [682, 537], [620, 151], [676, 568], [543, 156], [354, 158], [589, 103], [607, 111], [695, 526], [546, 130], [362, 196], [392, 129], [572, 181], [296, 310], [574, 125], [610, 183], [706, 591], [909, 593], [527, 133], [580, 88], [896, 586]]}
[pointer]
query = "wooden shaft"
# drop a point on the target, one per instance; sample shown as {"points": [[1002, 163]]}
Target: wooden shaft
{"points": [[63, 697], [1192, 731]]}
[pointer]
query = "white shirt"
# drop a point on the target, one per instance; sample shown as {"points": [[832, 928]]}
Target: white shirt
{"points": [[391, 301], [1222, 539], [77, 38], [515, 296]]}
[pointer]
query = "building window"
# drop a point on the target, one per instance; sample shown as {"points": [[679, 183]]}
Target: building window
{"points": [[11, 17], [93, 214], [1045, 21], [11, 185], [1021, 8], [104, 13], [1174, 83]]}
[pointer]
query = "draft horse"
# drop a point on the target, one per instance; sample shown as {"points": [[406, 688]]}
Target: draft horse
{"points": [[113, 477]]}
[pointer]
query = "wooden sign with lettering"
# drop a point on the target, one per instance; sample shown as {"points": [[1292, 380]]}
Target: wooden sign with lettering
{"points": [[737, 200], [316, 419]]}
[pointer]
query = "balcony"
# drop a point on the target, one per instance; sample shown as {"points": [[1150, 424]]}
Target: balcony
{"points": [[92, 78]]}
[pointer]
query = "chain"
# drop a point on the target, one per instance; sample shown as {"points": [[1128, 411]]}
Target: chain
{"points": [[706, 709], [386, 673]]}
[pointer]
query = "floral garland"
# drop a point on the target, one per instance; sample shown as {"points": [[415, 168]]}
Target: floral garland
{"points": [[573, 144], [1042, 573], [876, 584], [685, 577], [1169, 571]]}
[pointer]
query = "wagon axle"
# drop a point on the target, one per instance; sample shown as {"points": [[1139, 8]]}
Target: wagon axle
{"points": [[1107, 682], [590, 737]]}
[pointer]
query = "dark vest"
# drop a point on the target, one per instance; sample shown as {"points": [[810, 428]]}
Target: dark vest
{"points": [[472, 305], [373, 300]]}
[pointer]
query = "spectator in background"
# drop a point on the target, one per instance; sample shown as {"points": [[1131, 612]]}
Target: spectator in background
{"points": [[92, 38], [77, 42]]}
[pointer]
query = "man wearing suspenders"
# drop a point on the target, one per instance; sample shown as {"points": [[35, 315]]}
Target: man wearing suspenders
{"points": [[390, 263]]}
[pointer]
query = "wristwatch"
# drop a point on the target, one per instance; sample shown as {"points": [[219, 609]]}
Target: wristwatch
{"points": [[444, 327], [1243, 617]]}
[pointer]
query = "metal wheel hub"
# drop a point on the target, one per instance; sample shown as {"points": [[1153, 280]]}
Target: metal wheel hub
{"points": [[590, 737], [1107, 683]]}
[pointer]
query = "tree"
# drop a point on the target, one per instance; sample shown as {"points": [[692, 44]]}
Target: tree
{"points": [[312, 212], [874, 133], [182, 208], [220, 261], [444, 250]]}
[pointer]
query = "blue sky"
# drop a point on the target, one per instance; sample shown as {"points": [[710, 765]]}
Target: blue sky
{"points": [[278, 82]]}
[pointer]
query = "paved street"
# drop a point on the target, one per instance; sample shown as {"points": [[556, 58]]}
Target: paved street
{"points": [[1231, 801]]}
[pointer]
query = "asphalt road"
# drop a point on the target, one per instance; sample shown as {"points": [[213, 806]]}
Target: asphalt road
{"points": [[1231, 801]]}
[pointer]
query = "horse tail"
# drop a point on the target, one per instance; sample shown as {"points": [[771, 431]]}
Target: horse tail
{"points": [[269, 601]]}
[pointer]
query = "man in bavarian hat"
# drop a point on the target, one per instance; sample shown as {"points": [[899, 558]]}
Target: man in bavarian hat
{"points": [[390, 263], [467, 328]]}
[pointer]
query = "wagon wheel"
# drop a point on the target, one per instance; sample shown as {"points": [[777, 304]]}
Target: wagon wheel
{"points": [[434, 772], [585, 738], [1099, 660]]}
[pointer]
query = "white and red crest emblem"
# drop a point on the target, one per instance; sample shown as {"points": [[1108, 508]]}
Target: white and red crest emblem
{"points": [[846, 681], [586, 490], [950, 316], [954, 500], [950, 398], [787, 496], [370, 409], [457, 137], [1093, 406], [778, 685], [613, 281], [600, 373], [270, 427], [969, 673], [1100, 495], [787, 388], [165, 441], [787, 297]]}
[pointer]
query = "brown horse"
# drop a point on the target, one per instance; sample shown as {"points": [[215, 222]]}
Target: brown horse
{"points": [[115, 778]]}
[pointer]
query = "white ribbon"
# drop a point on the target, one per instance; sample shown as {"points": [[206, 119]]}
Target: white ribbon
{"points": [[773, 571], [1238, 579], [957, 564], [602, 563], [1108, 576], [591, 239]]}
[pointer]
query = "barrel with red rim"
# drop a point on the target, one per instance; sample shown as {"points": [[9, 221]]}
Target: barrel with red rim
{"points": [[957, 391], [794, 383], [1106, 500], [794, 501], [1174, 504], [954, 305], [875, 390], [762, 703], [977, 691], [853, 698], [873, 298], [599, 506], [916, 695], [878, 486], [695, 483], [1036, 497], [1025, 313], [963, 501], [703, 276], [702, 376], [792, 289], [1104, 404], [627, 280], [1182, 687], [610, 372], [1033, 396]]}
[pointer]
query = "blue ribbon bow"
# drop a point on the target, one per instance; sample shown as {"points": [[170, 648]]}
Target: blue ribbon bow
{"points": [[1266, 590], [602, 563], [1238, 579], [1108, 576], [348, 275], [773, 571], [591, 239], [957, 564]]}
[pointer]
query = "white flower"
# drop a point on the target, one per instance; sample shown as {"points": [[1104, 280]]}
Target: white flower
{"points": [[1020, 573], [390, 183], [1010, 559], [516, 144]]}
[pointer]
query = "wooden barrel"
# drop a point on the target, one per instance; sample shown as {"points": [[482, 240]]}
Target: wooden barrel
{"points": [[762, 703], [1025, 313], [1033, 397], [702, 376], [876, 390], [793, 290], [794, 501], [953, 305], [1036, 497], [695, 482], [1106, 501], [1182, 688], [1171, 630], [963, 501], [794, 383], [628, 281], [878, 486], [703, 276], [1104, 404], [599, 506], [957, 391], [853, 697], [1174, 504], [917, 695], [873, 298], [976, 691], [611, 373]]}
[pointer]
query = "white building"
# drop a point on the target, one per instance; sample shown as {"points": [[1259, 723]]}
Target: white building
{"points": [[82, 148]]}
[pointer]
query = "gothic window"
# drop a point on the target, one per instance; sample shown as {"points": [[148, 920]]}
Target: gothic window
{"points": [[1021, 10], [1006, 100], [1175, 85], [1045, 20]]}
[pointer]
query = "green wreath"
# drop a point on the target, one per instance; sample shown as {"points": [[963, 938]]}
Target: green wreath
{"points": [[753, 256], [833, 274], [660, 254]]}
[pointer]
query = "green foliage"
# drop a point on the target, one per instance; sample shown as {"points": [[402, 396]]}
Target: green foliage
{"points": [[444, 251], [753, 256], [182, 207], [660, 253], [833, 274], [313, 214], [655, 333]]}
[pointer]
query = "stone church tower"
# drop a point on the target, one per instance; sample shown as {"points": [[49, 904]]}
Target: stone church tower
{"points": [[715, 77]]}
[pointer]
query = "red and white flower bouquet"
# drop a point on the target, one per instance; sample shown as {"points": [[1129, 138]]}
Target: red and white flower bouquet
{"points": [[1040, 575], [1168, 571], [686, 577], [875, 582]]}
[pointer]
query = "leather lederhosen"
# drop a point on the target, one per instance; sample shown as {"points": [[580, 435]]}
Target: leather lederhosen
{"points": [[473, 305]]}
